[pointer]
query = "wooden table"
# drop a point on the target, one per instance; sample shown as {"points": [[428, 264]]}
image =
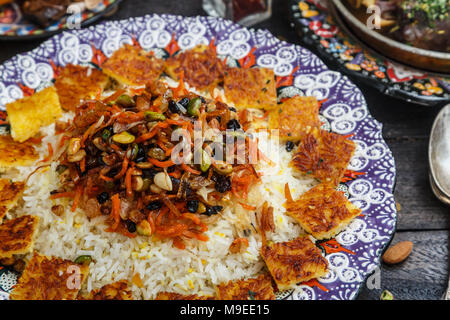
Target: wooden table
{"points": [[422, 218]]}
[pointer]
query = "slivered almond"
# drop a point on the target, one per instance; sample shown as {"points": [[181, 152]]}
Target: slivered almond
{"points": [[398, 252]]}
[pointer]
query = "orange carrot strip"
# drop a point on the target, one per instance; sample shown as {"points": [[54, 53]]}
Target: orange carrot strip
{"points": [[50, 153], [189, 169], [176, 122], [202, 237], [105, 177], [128, 181], [191, 217], [176, 174], [115, 211], [160, 215], [161, 164], [247, 206], [124, 169], [171, 206], [35, 140], [178, 243], [180, 90], [76, 198], [287, 193], [87, 133], [146, 136], [62, 195], [172, 231], [152, 222], [83, 164]]}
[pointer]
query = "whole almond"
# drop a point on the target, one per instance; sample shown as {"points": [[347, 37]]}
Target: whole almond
{"points": [[398, 252]]}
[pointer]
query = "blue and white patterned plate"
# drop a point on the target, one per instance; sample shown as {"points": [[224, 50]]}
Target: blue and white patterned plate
{"points": [[354, 253]]}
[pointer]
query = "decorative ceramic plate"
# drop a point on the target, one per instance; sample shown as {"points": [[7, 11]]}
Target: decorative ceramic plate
{"points": [[14, 27], [319, 30], [355, 253]]}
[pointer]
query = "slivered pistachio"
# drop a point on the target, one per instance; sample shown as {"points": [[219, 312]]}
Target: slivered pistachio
{"points": [[133, 151], [123, 138], [74, 146], [206, 161], [106, 134], [386, 295], [154, 116], [125, 101], [147, 182], [222, 167], [194, 106], [84, 259]]}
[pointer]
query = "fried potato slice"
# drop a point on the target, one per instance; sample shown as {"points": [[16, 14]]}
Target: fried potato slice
{"points": [[324, 155], [295, 117], [176, 296], [15, 154], [29, 114], [130, 65], [259, 288], [50, 278], [16, 235], [322, 211], [118, 290], [250, 88], [77, 83], [10, 192], [201, 67], [294, 261]]}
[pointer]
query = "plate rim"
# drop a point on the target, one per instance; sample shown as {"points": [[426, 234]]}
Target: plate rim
{"points": [[384, 88]]}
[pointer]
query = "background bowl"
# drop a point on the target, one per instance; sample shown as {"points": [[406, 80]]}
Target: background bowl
{"points": [[434, 61]]}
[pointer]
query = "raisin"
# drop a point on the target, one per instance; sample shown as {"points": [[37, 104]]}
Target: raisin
{"points": [[289, 146], [192, 206], [233, 124], [155, 205], [131, 226], [223, 183], [184, 102], [103, 197]]}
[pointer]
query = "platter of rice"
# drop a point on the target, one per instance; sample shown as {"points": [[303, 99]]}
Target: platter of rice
{"points": [[165, 157]]}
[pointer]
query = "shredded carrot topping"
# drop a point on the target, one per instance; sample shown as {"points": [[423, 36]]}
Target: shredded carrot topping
{"points": [[189, 169], [161, 164], [77, 196], [50, 153]]}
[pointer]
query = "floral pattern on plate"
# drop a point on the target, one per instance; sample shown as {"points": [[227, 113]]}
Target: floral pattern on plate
{"points": [[319, 30], [369, 182]]}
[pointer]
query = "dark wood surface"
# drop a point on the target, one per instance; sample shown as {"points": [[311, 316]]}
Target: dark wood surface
{"points": [[422, 219]]}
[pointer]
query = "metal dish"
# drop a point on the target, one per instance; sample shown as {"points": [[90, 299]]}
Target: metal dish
{"points": [[420, 58], [9, 33]]}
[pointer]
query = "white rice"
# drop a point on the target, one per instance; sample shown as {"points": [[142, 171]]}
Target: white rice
{"points": [[162, 267]]}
